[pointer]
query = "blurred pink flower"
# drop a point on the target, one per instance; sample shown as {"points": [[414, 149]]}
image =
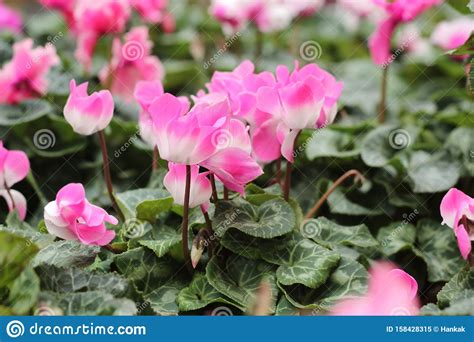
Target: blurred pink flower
{"points": [[397, 12], [152, 11], [66, 7], [24, 77], [72, 217], [175, 181], [14, 167], [450, 35], [10, 19], [95, 18], [457, 210], [391, 292], [131, 62], [88, 114]]}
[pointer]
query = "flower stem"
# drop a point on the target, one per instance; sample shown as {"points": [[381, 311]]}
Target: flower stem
{"points": [[187, 191], [215, 197], [210, 231], [287, 185], [107, 177], [358, 178], [34, 184], [156, 158], [9, 194], [226, 194], [383, 95]]}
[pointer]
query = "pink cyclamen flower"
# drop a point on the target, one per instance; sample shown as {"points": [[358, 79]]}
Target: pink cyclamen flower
{"points": [[306, 98], [10, 19], [88, 114], [131, 62], [175, 183], [14, 167], [24, 77], [184, 139], [145, 93], [152, 11], [95, 18], [450, 35], [457, 210], [66, 7], [72, 217], [398, 11], [391, 292]]}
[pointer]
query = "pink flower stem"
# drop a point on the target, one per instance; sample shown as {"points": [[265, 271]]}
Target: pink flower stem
{"points": [[465, 223], [187, 191], [358, 178], [287, 184], [383, 95], [9, 195], [107, 177], [156, 158], [215, 197]]}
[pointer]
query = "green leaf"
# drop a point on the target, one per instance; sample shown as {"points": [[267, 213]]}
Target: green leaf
{"points": [[163, 299], [285, 308], [24, 292], [73, 279], [129, 201], [15, 254], [439, 249], [347, 281], [470, 5], [239, 278], [144, 269], [381, 145], [150, 209], [433, 173], [460, 306], [462, 281], [23, 229], [166, 238], [199, 294], [300, 260], [93, 303], [242, 244], [461, 142], [339, 203], [23, 112], [324, 231], [66, 254], [329, 143], [273, 218], [396, 237]]}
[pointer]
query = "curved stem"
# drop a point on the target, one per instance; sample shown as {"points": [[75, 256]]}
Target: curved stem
{"points": [[358, 178], [34, 184], [287, 185], [215, 197], [107, 176], [7, 188], [184, 233], [383, 95]]}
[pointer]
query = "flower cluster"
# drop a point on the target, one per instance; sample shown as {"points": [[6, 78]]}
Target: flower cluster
{"points": [[397, 12], [92, 19], [24, 77], [10, 20], [267, 15]]}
